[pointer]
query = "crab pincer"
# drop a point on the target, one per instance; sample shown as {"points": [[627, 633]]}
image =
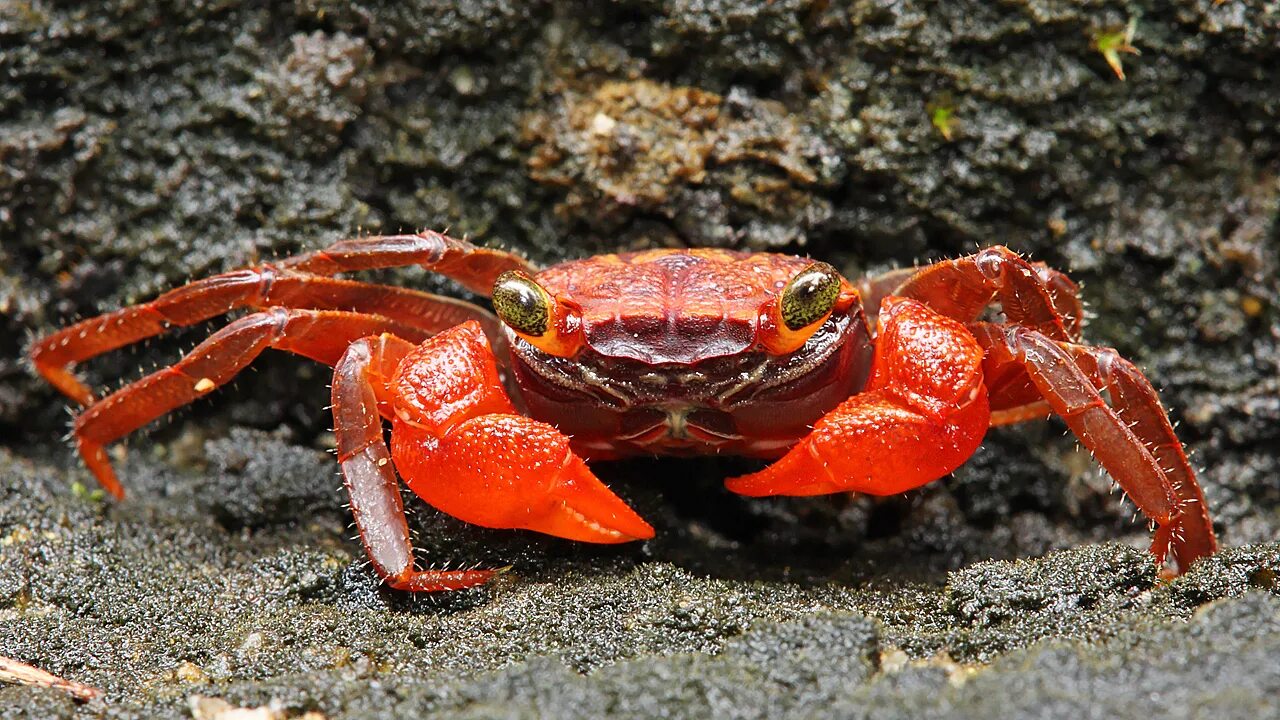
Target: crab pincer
{"points": [[460, 445], [923, 413]]}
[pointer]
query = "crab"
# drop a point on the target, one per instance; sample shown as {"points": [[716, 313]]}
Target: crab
{"points": [[874, 387]]}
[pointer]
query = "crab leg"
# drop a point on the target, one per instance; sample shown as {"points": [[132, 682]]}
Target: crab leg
{"points": [[474, 267], [318, 334], [1033, 295], [1030, 294], [923, 414], [1132, 438], [360, 387], [459, 444], [299, 282]]}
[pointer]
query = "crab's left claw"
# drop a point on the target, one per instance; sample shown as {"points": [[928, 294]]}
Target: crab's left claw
{"points": [[923, 414]]}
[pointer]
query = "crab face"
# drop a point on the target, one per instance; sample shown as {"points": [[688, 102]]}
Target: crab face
{"points": [[703, 352]]}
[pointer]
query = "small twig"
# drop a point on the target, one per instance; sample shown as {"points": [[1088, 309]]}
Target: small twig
{"points": [[15, 672]]}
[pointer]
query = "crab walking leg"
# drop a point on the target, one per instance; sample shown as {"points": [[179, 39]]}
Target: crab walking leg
{"points": [[259, 288], [361, 381], [318, 334], [923, 413], [459, 444], [1132, 438], [1123, 453], [1136, 402], [474, 267], [1034, 295], [1013, 396]]}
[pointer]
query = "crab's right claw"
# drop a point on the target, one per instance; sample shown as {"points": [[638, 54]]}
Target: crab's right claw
{"points": [[508, 471]]}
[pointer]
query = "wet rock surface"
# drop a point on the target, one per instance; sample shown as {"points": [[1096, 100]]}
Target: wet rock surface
{"points": [[142, 144], [171, 596]]}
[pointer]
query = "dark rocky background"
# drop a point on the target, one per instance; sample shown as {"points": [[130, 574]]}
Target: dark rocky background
{"points": [[142, 143]]}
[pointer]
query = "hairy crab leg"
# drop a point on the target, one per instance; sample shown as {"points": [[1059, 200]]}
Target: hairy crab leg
{"points": [[1137, 403], [1014, 397], [1132, 438], [300, 282], [923, 414], [474, 267], [1033, 295], [460, 446], [318, 334], [361, 382]]}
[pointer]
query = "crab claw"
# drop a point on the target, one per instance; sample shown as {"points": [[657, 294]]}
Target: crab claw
{"points": [[872, 444], [588, 511], [508, 471]]}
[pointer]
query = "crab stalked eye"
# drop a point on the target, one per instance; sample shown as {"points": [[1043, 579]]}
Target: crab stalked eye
{"points": [[810, 295], [790, 318], [548, 324], [521, 303]]}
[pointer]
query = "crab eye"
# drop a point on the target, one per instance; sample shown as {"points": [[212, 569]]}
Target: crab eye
{"points": [[521, 303], [809, 296]]}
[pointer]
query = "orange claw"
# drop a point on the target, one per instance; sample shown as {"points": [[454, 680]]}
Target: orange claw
{"points": [[872, 444], [459, 445], [923, 414]]}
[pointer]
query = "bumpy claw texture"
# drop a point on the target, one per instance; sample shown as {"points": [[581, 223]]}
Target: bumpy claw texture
{"points": [[923, 414], [360, 398], [459, 444]]}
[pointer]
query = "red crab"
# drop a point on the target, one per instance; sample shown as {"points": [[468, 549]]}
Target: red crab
{"points": [[876, 387]]}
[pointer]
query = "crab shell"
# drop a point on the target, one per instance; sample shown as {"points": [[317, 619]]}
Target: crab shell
{"points": [[675, 356]]}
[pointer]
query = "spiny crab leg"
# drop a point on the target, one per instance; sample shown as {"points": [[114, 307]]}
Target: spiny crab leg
{"points": [[460, 446], [297, 282], [1030, 294], [1131, 438], [475, 268], [318, 334], [360, 387]]}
